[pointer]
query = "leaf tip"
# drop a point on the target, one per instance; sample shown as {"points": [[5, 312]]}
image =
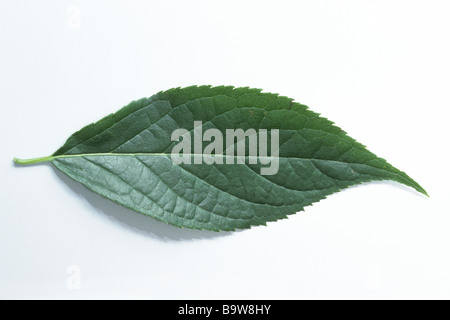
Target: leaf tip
{"points": [[419, 188], [424, 192]]}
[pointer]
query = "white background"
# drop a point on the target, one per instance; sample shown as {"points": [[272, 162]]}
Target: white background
{"points": [[379, 69]]}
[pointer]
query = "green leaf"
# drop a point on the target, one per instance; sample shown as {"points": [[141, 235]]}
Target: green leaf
{"points": [[126, 157]]}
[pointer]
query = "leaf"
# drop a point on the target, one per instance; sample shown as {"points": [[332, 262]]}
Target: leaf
{"points": [[126, 157]]}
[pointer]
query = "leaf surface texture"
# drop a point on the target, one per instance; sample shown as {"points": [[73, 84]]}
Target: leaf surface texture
{"points": [[126, 157]]}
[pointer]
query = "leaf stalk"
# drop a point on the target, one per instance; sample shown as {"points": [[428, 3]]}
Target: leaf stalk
{"points": [[33, 160]]}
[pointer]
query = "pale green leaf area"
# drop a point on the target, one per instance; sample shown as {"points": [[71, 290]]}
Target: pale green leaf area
{"points": [[125, 157]]}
